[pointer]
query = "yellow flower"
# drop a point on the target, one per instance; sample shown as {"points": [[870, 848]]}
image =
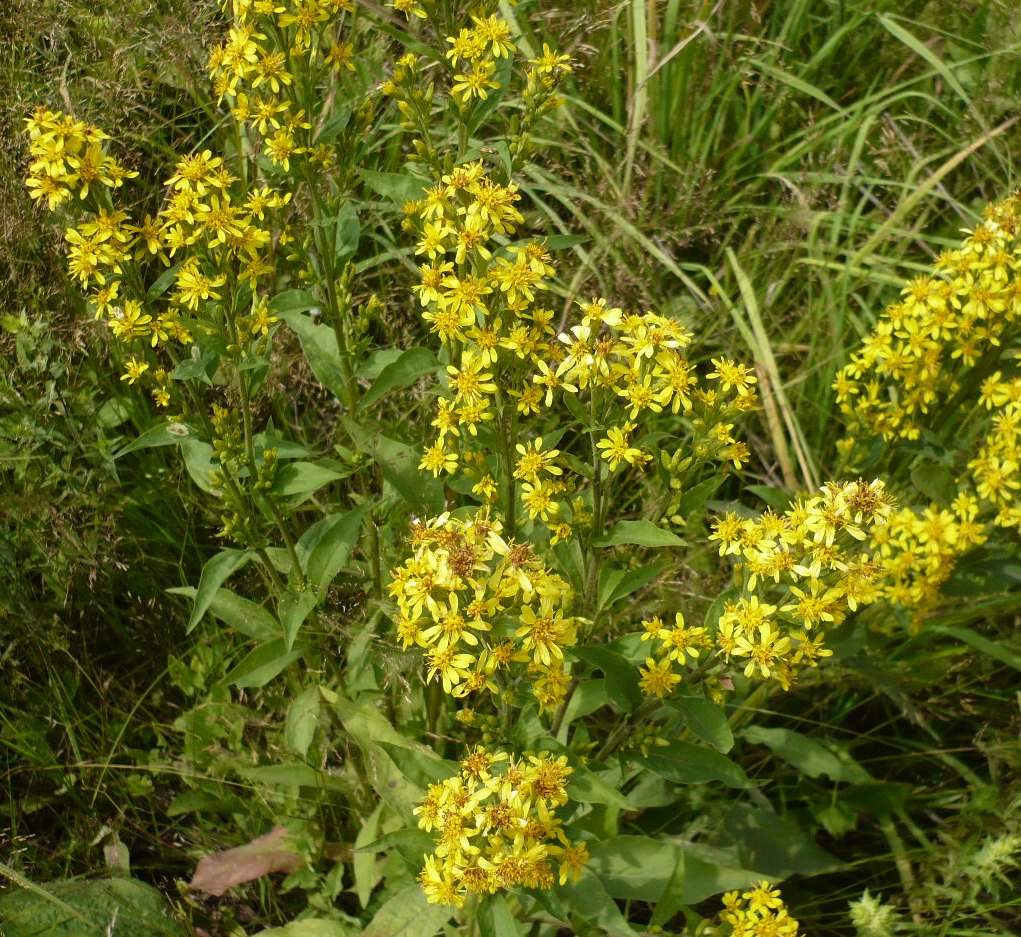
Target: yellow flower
{"points": [[551, 61], [767, 650], [437, 458], [545, 635], [133, 370], [658, 679], [193, 285], [539, 499], [534, 460], [47, 187], [616, 447], [467, 44], [409, 8], [469, 382], [191, 172], [450, 666], [130, 323], [476, 82], [496, 32], [731, 374]]}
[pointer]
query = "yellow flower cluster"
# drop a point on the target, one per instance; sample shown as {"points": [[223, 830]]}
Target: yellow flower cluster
{"points": [[215, 232], [255, 67], [994, 471], [479, 604], [758, 912], [920, 352], [68, 157], [483, 301], [482, 293], [918, 551], [799, 571], [497, 828], [929, 371]]}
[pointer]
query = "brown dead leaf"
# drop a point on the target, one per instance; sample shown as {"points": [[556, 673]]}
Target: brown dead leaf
{"points": [[264, 854]]}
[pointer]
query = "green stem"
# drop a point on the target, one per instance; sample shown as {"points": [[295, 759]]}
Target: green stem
{"points": [[268, 572], [507, 430], [750, 706], [244, 393], [618, 735], [594, 558]]}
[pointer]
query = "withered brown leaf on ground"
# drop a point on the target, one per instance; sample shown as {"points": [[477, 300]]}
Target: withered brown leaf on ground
{"points": [[264, 854]]}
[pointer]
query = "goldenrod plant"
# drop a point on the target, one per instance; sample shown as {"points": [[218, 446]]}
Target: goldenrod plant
{"points": [[507, 598]]}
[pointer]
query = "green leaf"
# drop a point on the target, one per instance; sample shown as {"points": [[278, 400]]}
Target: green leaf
{"points": [[991, 648], [296, 774], [243, 615], [330, 131], [303, 720], [707, 720], [421, 766], [199, 461], [687, 763], [617, 584], [399, 187], [881, 798], [633, 868], [669, 902], [292, 301], [408, 914], [497, 920], [263, 663], [285, 448], [639, 868], [694, 499], [399, 464], [411, 843], [777, 847], [325, 547], [406, 370], [620, 674], [200, 801], [85, 908], [162, 283], [369, 728], [255, 363], [588, 788], [559, 242], [197, 369], [166, 434], [347, 232], [589, 900], [302, 478], [311, 927], [318, 342], [216, 570], [641, 533], [364, 864], [292, 610], [377, 361], [777, 498], [807, 755], [111, 414], [934, 482]]}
